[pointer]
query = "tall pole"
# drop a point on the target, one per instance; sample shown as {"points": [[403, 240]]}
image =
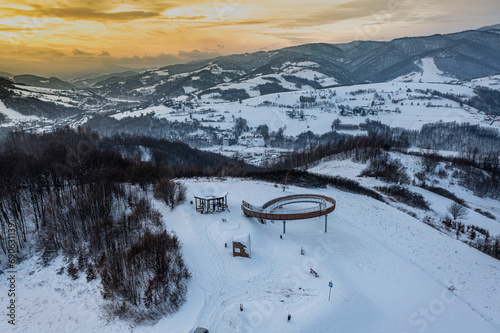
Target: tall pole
{"points": [[326, 223], [284, 226]]}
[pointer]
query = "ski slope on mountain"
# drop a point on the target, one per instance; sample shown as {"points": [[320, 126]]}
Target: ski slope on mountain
{"points": [[390, 273], [429, 73]]}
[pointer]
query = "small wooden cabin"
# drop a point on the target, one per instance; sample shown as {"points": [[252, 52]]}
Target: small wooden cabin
{"points": [[241, 246]]}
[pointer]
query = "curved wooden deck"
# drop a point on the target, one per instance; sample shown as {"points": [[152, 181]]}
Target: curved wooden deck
{"points": [[326, 205]]}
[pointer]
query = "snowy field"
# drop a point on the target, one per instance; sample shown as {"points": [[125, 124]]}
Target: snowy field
{"points": [[390, 273]]}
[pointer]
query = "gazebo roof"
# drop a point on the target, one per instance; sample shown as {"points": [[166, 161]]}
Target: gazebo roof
{"points": [[209, 194]]}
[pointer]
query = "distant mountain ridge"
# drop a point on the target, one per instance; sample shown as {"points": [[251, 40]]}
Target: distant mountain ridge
{"points": [[57, 101], [86, 81], [453, 57], [38, 81], [5, 75], [463, 55]]}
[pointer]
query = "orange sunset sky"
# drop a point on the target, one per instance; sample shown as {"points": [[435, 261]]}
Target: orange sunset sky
{"points": [[63, 37]]}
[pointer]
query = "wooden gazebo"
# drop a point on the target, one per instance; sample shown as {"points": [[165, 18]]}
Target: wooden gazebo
{"points": [[208, 203]]}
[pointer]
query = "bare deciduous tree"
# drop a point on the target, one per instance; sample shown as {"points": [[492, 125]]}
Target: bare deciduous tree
{"points": [[457, 211], [285, 183]]}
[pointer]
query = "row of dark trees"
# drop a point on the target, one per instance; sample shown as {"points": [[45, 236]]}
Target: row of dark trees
{"points": [[306, 179], [360, 148], [457, 137], [478, 166], [462, 137], [485, 99], [479, 172], [404, 195], [151, 126], [477, 237]]}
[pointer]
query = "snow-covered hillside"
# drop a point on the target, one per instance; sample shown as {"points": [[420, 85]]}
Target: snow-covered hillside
{"points": [[405, 105], [289, 76], [14, 116], [390, 273], [438, 204], [409, 102]]}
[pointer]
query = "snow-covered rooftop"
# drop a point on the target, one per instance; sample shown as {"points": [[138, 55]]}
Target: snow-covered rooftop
{"points": [[209, 193]]}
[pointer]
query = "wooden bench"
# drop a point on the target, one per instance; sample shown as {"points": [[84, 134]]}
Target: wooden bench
{"points": [[314, 272]]}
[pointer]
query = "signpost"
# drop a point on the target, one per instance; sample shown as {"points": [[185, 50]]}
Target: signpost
{"points": [[330, 284]]}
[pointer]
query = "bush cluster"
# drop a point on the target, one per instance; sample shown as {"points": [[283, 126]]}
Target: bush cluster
{"points": [[404, 195]]}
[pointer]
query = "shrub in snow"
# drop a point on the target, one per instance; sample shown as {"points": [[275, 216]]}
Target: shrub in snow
{"points": [[485, 213], [472, 234], [72, 271], [444, 193], [404, 195], [90, 273], [447, 222], [172, 193], [387, 168], [82, 262]]}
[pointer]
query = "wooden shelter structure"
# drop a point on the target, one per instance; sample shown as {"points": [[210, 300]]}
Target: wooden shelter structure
{"points": [[207, 202], [241, 246]]}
